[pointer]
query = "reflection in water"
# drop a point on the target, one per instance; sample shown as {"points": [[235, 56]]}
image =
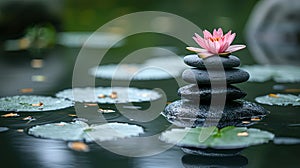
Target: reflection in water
{"points": [[202, 161], [36, 152], [167, 159], [17, 73]]}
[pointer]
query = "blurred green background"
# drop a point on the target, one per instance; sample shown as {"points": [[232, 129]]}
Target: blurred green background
{"points": [[80, 15]]}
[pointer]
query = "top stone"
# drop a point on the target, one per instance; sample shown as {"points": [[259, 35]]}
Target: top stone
{"points": [[195, 61]]}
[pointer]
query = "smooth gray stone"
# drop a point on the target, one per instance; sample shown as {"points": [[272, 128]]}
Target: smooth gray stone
{"points": [[200, 76], [204, 93], [195, 61], [186, 114]]}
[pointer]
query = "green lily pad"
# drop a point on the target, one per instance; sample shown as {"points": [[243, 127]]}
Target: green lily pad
{"points": [[32, 103], [279, 99], [80, 131], [123, 94], [279, 73], [226, 138]]}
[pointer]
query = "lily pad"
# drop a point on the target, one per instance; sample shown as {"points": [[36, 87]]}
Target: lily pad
{"points": [[152, 69], [226, 138], [109, 94], [279, 73], [3, 129], [286, 141], [80, 131], [32, 103], [279, 99]]}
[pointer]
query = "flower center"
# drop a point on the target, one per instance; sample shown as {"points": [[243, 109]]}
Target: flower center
{"points": [[213, 39]]}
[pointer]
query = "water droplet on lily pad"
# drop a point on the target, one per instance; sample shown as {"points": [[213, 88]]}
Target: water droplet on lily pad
{"points": [[226, 141], [122, 94], [279, 73], [30, 103], [80, 131], [279, 99]]}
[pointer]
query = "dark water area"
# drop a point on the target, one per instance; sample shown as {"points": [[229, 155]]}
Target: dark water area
{"points": [[18, 149]]}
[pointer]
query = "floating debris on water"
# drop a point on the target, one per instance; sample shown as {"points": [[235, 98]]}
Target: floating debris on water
{"points": [[255, 119], [37, 104], [10, 115], [79, 146], [20, 130], [28, 119], [106, 110], [273, 95], [37, 63], [26, 90], [113, 95], [72, 115], [101, 96], [246, 122]]}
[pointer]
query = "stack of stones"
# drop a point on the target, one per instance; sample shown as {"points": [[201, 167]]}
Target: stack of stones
{"points": [[194, 108]]}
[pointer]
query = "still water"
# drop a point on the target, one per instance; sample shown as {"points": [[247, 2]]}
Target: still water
{"points": [[21, 150]]}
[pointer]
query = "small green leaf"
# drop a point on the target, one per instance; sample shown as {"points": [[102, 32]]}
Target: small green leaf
{"points": [[88, 130]]}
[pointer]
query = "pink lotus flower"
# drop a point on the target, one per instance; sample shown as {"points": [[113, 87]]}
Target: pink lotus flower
{"points": [[215, 44]]}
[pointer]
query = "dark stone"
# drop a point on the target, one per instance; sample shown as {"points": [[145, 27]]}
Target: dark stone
{"points": [[204, 93], [201, 76], [184, 113], [195, 61]]}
